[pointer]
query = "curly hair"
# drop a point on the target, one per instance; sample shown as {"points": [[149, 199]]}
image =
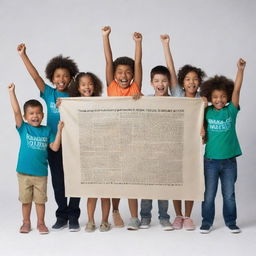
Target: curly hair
{"points": [[61, 62], [220, 83], [97, 84], [162, 70], [123, 61], [188, 68], [32, 103]]}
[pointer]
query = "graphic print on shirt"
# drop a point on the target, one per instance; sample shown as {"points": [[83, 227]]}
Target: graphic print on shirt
{"points": [[53, 108], [219, 125], [38, 143]]}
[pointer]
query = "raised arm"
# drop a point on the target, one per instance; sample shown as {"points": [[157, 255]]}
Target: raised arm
{"points": [[108, 55], [137, 37], [31, 69], [56, 144], [165, 39], [238, 82], [15, 105]]}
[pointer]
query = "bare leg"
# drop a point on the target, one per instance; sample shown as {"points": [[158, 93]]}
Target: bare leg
{"points": [[178, 221], [117, 219], [91, 205], [105, 206], [133, 206], [40, 211], [177, 207], [115, 204], [26, 210], [188, 208]]}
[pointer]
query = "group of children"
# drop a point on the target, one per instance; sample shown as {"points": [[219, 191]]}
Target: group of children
{"points": [[40, 144]]}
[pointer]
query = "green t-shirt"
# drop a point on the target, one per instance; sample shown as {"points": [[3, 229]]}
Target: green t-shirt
{"points": [[222, 142]]}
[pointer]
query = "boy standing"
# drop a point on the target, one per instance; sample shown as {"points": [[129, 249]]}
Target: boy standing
{"points": [[32, 167], [124, 77], [160, 80]]}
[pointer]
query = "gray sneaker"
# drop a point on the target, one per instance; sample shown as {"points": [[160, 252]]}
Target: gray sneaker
{"points": [[145, 223], [104, 227], [166, 225], [134, 224], [90, 227]]}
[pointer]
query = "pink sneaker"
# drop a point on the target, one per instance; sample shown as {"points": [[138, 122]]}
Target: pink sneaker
{"points": [[178, 222], [188, 224]]}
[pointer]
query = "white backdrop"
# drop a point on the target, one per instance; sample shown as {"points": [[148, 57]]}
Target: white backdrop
{"points": [[208, 34]]}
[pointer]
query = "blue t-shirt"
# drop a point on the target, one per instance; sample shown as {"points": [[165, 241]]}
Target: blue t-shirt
{"points": [[50, 95], [178, 91], [33, 149]]}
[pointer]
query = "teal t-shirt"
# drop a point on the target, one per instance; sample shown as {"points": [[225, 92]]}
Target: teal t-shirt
{"points": [[33, 154], [222, 142], [50, 95]]}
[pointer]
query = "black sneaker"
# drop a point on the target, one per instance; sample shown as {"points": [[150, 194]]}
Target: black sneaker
{"points": [[73, 225], [60, 224], [234, 229], [205, 229]]}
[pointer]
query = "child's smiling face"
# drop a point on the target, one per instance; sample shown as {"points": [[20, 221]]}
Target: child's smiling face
{"points": [[34, 116], [160, 84], [61, 79], [191, 84], [219, 99], [123, 75], [86, 86]]}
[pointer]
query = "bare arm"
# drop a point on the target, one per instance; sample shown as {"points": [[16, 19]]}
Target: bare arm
{"points": [[238, 82], [137, 60], [203, 128], [108, 55], [56, 144], [169, 60], [31, 69], [15, 105]]}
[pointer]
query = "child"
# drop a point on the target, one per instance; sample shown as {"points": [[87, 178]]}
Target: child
{"points": [[88, 85], [222, 147], [124, 77], [189, 81], [160, 80], [32, 167], [59, 71]]}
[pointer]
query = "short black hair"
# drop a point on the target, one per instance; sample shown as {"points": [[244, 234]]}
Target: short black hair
{"points": [[32, 103], [220, 83], [183, 71], [123, 61], [162, 70], [73, 88], [61, 62]]}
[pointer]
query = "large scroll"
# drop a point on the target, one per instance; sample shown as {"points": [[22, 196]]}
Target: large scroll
{"points": [[117, 147]]}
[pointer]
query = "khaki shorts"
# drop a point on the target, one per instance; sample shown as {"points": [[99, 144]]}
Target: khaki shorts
{"points": [[32, 188]]}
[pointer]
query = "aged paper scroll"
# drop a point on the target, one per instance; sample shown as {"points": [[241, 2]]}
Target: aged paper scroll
{"points": [[121, 148]]}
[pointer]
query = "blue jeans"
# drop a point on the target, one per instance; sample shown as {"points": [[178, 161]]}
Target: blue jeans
{"points": [[226, 170], [146, 207]]}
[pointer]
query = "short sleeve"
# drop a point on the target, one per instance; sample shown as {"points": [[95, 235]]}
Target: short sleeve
{"points": [[233, 109], [177, 91], [47, 91]]}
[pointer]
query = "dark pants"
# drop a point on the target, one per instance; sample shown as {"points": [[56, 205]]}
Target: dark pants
{"points": [[66, 211]]}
